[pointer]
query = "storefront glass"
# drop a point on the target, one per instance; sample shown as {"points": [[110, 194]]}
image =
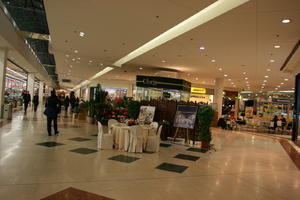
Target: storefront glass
{"points": [[147, 94]]}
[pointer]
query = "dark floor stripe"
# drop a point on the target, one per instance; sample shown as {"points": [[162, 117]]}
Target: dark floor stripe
{"points": [[291, 151]]}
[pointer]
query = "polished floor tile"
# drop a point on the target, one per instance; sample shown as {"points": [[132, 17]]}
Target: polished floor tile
{"points": [[123, 158], [187, 157], [164, 145], [244, 166], [197, 150], [172, 167], [84, 150], [80, 139], [50, 144]]}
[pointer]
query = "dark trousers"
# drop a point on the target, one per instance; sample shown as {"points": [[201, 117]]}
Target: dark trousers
{"points": [[35, 106], [49, 123], [25, 106], [66, 108]]}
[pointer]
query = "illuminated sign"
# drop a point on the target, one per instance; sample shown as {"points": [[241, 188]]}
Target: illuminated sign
{"points": [[198, 90]]}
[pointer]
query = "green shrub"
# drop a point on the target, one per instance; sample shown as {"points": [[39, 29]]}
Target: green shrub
{"points": [[205, 116]]}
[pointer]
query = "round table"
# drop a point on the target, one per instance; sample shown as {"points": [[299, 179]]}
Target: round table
{"points": [[121, 134]]}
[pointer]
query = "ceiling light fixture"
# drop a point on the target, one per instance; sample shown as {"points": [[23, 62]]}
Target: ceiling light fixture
{"points": [[163, 61], [281, 83], [201, 48], [286, 21], [266, 76], [220, 69], [265, 81], [213, 60], [225, 75], [210, 12], [67, 56], [246, 78], [272, 61], [75, 51], [73, 59], [140, 68], [286, 79], [244, 73], [276, 46], [268, 70], [188, 74], [90, 61], [81, 34]]}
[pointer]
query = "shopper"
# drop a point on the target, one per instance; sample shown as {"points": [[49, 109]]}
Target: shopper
{"points": [[66, 103], [26, 100], [284, 122], [72, 100], [35, 101], [275, 119], [51, 111]]}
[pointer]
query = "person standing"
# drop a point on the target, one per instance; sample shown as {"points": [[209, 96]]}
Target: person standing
{"points": [[26, 100], [35, 101], [51, 111], [72, 100], [66, 103]]}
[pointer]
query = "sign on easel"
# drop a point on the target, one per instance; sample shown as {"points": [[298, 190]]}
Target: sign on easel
{"points": [[185, 116]]}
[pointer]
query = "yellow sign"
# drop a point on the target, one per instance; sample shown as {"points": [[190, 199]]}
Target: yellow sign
{"points": [[198, 90]]}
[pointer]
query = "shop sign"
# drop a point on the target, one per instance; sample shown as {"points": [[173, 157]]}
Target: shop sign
{"points": [[198, 90]]}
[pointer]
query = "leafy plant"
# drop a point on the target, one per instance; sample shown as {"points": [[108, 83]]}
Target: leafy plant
{"points": [[101, 105], [134, 109], [205, 116]]}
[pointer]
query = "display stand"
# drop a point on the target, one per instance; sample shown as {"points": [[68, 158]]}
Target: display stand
{"points": [[186, 130]]}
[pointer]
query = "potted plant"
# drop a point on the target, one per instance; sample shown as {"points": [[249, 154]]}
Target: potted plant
{"points": [[134, 109], [91, 111], [205, 116], [101, 105]]}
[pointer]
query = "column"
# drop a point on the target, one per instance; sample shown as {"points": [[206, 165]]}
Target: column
{"points": [[296, 109], [41, 92], [218, 95], [3, 58], [30, 84]]}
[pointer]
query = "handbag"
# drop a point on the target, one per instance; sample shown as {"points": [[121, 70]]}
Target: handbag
{"points": [[46, 112]]}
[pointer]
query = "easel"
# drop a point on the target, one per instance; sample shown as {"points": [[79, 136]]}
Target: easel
{"points": [[186, 130]]}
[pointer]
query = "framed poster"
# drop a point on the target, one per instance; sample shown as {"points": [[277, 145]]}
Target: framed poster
{"points": [[146, 115], [185, 116]]}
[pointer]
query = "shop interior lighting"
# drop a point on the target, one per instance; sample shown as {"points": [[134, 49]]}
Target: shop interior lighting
{"points": [[17, 73], [14, 77], [210, 12], [286, 21]]}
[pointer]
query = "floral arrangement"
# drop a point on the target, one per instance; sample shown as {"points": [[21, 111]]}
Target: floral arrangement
{"points": [[131, 122]]}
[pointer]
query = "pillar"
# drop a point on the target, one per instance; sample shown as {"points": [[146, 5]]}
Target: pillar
{"points": [[41, 92], [3, 59], [218, 95], [296, 109], [30, 84]]}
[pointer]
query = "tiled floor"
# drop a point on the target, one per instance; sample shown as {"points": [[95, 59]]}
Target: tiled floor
{"points": [[243, 167]]}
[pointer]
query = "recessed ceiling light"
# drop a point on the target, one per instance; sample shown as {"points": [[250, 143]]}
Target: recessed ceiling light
{"points": [[268, 70], [265, 81], [220, 69], [73, 59], [263, 84], [225, 75], [78, 58], [234, 85], [101, 64], [163, 61], [201, 48], [272, 61], [248, 85], [262, 87], [188, 74], [266, 76], [286, 21], [276, 46], [229, 79], [281, 83], [75, 51], [246, 78], [67, 56], [90, 61], [244, 73], [71, 66], [286, 79], [81, 34], [293, 88], [140, 68], [276, 88], [197, 79], [213, 60]]}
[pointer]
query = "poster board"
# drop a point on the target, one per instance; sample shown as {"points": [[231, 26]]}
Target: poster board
{"points": [[185, 116], [146, 115]]}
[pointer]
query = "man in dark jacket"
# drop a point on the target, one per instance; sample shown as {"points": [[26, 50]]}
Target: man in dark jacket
{"points": [[51, 112], [35, 101], [26, 100], [67, 103]]}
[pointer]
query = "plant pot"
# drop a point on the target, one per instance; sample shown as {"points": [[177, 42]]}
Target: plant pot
{"points": [[205, 144], [90, 120]]}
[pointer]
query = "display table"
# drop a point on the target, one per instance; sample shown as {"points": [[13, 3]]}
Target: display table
{"points": [[121, 135]]}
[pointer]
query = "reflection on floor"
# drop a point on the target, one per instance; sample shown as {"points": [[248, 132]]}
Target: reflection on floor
{"points": [[35, 166]]}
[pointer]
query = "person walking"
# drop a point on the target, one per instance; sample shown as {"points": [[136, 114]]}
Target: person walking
{"points": [[51, 112], [35, 101], [26, 100], [66, 103], [72, 100]]}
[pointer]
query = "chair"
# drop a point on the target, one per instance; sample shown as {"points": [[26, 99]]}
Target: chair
{"points": [[105, 141], [154, 125], [153, 142], [111, 122], [136, 139]]}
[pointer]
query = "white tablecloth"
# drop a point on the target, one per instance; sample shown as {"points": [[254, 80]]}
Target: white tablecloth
{"points": [[121, 135]]}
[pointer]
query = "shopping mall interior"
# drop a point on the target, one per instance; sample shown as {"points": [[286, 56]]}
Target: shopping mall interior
{"points": [[137, 99]]}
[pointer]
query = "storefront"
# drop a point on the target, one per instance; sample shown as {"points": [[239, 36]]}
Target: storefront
{"points": [[153, 87], [202, 95], [15, 83], [113, 92]]}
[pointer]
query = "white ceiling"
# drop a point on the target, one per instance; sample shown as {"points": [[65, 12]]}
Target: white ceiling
{"points": [[241, 40]]}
